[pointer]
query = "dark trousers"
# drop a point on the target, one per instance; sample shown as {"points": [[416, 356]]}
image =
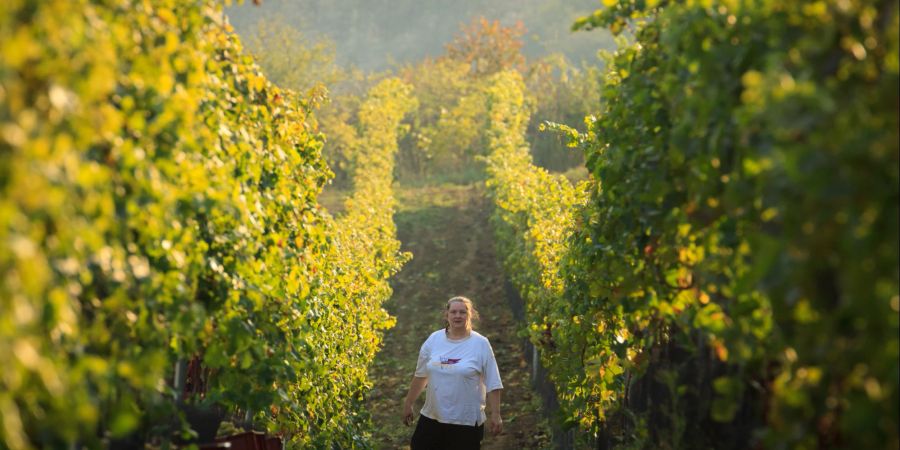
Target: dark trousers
{"points": [[433, 435]]}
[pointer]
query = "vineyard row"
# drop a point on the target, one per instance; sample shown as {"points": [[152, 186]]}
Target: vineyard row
{"points": [[729, 272], [160, 238]]}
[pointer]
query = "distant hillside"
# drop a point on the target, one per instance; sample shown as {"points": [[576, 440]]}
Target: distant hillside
{"points": [[374, 34]]}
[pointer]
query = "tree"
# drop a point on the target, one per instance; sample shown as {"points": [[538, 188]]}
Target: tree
{"points": [[488, 47], [292, 60]]}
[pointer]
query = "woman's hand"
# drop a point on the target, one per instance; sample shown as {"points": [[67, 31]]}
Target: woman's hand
{"points": [[495, 423], [407, 414], [415, 388]]}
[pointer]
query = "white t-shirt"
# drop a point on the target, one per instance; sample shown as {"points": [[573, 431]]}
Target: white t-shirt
{"points": [[460, 373]]}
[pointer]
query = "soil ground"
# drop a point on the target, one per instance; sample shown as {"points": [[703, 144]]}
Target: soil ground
{"points": [[446, 229]]}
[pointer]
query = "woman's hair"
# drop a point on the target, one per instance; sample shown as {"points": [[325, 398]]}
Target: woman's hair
{"points": [[473, 313]]}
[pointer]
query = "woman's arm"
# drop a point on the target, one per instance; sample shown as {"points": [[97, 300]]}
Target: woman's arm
{"points": [[415, 388], [493, 401]]}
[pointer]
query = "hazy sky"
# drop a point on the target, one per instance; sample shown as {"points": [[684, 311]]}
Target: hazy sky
{"points": [[373, 34]]}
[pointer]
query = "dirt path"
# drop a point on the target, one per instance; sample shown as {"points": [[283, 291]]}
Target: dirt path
{"points": [[447, 230]]}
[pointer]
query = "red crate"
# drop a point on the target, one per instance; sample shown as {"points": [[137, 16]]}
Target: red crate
{"points": [[274, 443], [248, 440]]}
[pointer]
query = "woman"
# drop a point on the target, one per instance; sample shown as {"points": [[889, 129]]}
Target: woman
{"points": [[458, 367]]}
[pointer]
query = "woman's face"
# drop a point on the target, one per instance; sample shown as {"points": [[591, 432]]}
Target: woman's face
{"points": [[458, 315]]}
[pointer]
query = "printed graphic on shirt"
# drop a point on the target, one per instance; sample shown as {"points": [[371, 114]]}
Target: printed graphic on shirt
{"points": [[446, 362]]}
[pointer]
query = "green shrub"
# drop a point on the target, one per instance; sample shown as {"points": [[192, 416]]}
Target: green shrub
{"points": [[159, 203]]}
